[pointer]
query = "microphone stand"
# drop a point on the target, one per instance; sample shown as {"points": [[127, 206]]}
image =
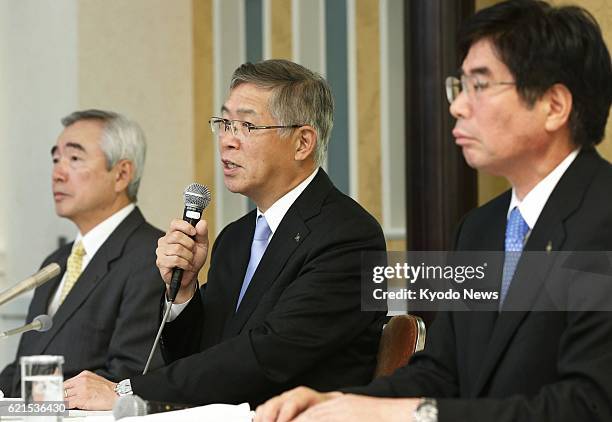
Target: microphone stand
{"points": [[159, 333]]}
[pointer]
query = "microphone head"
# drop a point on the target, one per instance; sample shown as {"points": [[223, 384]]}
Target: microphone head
{"points": [[47, 273], [197, 196], [130, 405], [45, 322]]}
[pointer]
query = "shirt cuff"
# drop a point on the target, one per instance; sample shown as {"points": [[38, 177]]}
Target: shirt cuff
{"points": [[177, 308]]}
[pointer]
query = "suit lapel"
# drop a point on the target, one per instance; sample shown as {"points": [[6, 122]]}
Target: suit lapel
{"points": [[478, 326], [291, 232], [94, 272], [548, 234], [43, 295], [277, 253]]}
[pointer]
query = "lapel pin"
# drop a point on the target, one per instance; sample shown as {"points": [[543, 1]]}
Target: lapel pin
{"points": [[549, 247], [297, 237]]}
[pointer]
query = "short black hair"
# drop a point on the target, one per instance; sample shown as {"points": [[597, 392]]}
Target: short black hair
{"points": [[543, 45]]}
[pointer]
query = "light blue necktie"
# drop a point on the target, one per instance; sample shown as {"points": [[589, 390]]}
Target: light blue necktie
{"points": [[258, 247], [516, 230]]}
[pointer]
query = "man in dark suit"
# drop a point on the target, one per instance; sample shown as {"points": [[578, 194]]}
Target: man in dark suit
{"points": [[281, 306], [532, 101], [104, 304]]}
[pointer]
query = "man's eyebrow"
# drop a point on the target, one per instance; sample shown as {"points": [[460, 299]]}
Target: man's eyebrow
{"points": [[240, 111], [481, 70], [74, 145], [248, 111]]}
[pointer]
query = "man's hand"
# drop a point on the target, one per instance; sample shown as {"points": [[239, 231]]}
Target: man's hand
{"points": [[303, 404], [89, 391], [178, 249], [349, 408], [291, 403]]}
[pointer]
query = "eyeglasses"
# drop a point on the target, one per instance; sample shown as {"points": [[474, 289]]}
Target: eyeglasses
{"points": [[470, 84], [239, 128]]}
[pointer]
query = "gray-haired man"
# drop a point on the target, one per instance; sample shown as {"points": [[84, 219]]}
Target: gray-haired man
{"points": [[104, 303]]}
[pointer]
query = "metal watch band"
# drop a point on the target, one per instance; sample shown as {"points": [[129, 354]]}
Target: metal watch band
{"points": [[124, 388], [426, 411]]}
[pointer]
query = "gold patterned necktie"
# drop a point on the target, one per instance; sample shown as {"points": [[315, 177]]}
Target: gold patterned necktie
{"points": [[73, 269]]}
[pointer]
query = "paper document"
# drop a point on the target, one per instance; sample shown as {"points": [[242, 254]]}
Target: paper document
{"points": [[208, 413]]}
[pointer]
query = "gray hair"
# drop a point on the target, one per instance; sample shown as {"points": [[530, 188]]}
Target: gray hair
{"points": [[122, 139], [299, 96]]}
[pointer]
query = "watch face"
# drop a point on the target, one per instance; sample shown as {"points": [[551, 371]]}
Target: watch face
{"points": [[427, 411], [124, 388]]}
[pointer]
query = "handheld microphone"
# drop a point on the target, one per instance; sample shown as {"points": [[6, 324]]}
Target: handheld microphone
{"points": [[42, 276], [40, 323], [133, 405], [197, 197]]}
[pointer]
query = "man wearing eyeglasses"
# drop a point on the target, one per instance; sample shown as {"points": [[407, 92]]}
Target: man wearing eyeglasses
{"points": [[281, 306], [531, 103]]}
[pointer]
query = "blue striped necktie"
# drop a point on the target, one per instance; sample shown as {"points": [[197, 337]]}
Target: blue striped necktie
{"points": [[258, 247], [516, 230]]}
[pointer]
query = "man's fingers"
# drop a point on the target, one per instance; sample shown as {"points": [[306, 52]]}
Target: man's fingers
{"points": [[182, 226], [89, 391], [171, 262], [268, 411], [288, 405], [289, 410], [170, 251], [201, 231], [175, 238]]}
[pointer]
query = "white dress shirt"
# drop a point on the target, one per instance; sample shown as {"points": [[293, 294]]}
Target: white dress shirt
{"points": [[533, 203], [92, 241]]}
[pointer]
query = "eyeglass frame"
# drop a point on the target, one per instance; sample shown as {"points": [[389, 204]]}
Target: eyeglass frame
{"points": [[250, 126], [472, 91]]}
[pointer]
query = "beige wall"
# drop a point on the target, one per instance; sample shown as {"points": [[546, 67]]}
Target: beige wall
{"points": [[280, 29], [136, 57], [368, 106], [489, 186]]}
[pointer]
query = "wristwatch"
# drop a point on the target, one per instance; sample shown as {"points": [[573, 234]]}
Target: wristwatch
{"points": [[124, 388], [426, 411]]}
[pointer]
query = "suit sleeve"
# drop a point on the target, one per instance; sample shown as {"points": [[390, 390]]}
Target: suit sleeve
{"points": [[582, 393], [181, 337], [316, 315]]}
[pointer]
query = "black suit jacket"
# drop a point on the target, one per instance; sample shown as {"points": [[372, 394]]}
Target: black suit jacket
{"points": [[109, 319], [299, 322], [523, 366]]}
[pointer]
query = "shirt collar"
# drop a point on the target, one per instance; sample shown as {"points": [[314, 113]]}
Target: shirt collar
{"points": [[96, 237], [274, 215], [533, 203]]}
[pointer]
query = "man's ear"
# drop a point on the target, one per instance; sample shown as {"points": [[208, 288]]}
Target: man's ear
{"points": [[305, 142], [124, 173], [559, 101]]}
